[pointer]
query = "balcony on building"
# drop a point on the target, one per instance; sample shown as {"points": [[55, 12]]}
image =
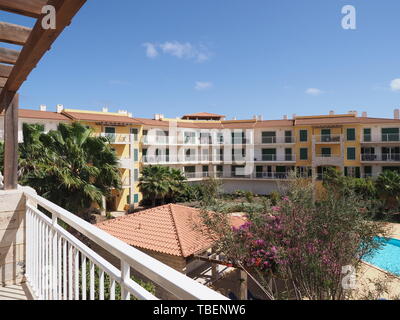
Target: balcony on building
{"points": [[60, 265], [117, 138], [381, 157], [328, 160], [387, 138], [328, 139]]}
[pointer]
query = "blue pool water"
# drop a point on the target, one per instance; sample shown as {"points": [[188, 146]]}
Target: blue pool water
{"points": [[388, 257]]}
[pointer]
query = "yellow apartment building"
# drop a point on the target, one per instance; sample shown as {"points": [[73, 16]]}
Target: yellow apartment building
{"points": [[255, 155]]}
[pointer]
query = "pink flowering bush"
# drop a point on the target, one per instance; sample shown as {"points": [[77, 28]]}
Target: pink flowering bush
{"points": [[298, 247]]}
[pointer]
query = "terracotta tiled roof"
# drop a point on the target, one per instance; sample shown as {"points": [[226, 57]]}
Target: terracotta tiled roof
{"points": [[343, 120], [98, 117], [36, 114], [170, 229], [203, 115]]}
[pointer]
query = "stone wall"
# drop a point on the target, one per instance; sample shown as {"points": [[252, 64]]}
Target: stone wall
{"points": [[12, 237]]}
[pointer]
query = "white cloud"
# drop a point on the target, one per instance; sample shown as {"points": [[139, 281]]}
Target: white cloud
{"points": [[201, 86], [179, 50], [314, 91], [395, 85], [151, 50]]}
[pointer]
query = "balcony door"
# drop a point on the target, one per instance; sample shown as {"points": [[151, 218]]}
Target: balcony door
{"points": [[110, 133], [390, 134], [268, 154], [326, 152], [269, 137], [325, 135], [391, 153]]}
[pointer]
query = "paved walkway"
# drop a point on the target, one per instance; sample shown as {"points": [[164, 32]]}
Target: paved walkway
{"points": [[14, 292]]}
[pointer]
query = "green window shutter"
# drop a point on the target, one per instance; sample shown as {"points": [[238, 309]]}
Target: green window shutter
{"points": [[303, 135], [136, 198], [351, 153], [351, 134], [303, 154], [136, 155]]}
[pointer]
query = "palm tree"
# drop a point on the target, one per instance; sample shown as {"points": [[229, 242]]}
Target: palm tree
{"points": [[69, 166], [159, 183], [388, 186], [154, 183]]}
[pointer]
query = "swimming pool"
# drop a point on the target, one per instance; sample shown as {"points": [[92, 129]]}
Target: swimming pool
{"points": [[388, 257]]}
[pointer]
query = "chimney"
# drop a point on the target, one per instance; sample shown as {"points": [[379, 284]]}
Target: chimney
{"points": [[123, 112], [105, 110], [156, 116], [60, 108], [353, 112], [331, 113], [43, 107], [255, 117], [260, 118], [397, 114], [365, 114], [294, 116], [285, 117], [130, 115]]}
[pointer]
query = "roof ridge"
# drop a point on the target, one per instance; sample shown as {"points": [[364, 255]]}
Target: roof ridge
{"points": [[176, 229]]}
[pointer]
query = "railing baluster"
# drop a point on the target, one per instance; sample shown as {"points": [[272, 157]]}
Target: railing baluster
{"points": [[101, 285], [65, 288], [76, 273], [59, 267], [112, 289], [125, 275], [84, 295], [92, 280], [70, 281]]}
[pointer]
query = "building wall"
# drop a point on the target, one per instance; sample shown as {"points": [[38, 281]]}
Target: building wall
{"points": [[12, 237]]}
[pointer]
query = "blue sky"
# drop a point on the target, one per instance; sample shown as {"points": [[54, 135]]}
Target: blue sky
{"points": [[233, 57]]}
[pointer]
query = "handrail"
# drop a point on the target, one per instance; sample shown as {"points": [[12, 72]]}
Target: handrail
{"points": [[175, 282]]}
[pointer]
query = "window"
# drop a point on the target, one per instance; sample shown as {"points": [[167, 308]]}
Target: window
{"points": [[326, 135], [288, 155], [390, 134], [367, 172], [269, 155], [367, 135], [303, 135], [136, 198], [354, 172], [134, 132], [326, 152], [351, 134], [136, 175], [136, 155], [304, 154], [269, 137], [288, 137], [351, 153]]}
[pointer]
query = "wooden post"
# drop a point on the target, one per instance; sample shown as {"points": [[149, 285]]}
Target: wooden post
{"points": [[11, 142], [243, 285]]}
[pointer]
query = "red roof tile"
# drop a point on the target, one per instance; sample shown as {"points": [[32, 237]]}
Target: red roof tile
{"points": [[170, 229], [36, 114], [97, 117]]}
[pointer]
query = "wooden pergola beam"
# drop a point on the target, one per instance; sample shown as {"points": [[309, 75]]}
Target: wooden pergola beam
{"points": [[5, 70], [9, 56], [30, 8], [38, 43], [14, 34], [2, 82]]}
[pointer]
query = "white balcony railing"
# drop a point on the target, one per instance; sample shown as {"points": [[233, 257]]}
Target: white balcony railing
{"points": [[387, 137], [393, 157], [328, 138], [61, 267], [116, 138], [275, 158], [278, 140]]}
